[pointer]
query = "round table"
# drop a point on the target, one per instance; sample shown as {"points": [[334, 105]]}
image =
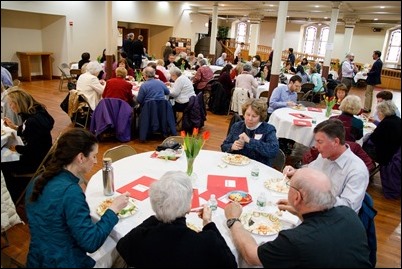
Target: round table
{"points": [[283, 120], [207, 164]]}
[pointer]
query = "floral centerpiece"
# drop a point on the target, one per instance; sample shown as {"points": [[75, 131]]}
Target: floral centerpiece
{"points": [[183, 63], [138, 76], [192, 145], [329, 102]]}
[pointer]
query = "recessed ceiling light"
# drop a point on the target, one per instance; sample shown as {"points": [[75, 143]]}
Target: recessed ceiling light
{"points": [[382, 7], [376, 19]]}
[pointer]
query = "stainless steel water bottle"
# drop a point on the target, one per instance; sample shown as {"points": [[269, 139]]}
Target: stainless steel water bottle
{"points": [[108, 178]]}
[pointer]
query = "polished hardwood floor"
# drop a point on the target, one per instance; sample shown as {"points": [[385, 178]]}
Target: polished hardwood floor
{"points": [[388, 219]]}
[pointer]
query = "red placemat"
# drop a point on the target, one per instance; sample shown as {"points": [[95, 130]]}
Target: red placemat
{"points": [[315, 109], [138, 189], [300, 115], [196, 199], [304, 123]]}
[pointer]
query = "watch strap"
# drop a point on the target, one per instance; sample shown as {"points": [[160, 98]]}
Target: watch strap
{"points": [[232, 221]]}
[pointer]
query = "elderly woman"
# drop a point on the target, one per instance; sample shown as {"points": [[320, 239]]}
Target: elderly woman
{"points": [[203, 75], [181, 90], [246, 80], [253, 137], [56, 207], [119, 87], [164, 240], [351, 106], [384, 146], [90, 86], [36, 134]]}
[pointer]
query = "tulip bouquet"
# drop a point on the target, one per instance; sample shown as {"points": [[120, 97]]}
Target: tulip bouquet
{"points": [[329, 102], [192, 145]]}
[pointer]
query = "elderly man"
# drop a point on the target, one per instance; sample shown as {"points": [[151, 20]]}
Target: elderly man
{"points": [[348, 173], [151, 89], [349, 69], [327, 237], [221, 60]]}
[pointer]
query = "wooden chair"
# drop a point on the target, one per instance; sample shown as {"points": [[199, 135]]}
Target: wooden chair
{"points": [[38, 171], [119, 152], [264, 96], [279, 162]]}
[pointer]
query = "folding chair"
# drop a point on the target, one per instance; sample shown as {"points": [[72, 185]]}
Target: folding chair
{"points": [[279, 162], [119, 152], [65, 75]]}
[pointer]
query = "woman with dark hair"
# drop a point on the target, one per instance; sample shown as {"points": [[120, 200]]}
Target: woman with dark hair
{"points": [[56, 207], [35, 132], [225, 80]]}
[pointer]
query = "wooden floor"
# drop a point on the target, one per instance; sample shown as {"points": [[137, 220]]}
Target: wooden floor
{"points": [[388, 220]]}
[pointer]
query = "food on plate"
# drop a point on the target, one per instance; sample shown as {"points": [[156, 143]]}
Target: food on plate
{"points": [[299, 107], [277, 184], [129, 210], [240, 197], [193, 227], [236, 159], [261, 223], [169, 154]]}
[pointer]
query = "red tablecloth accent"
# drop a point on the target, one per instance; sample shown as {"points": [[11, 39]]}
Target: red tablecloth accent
{"points": [[138, 189]]}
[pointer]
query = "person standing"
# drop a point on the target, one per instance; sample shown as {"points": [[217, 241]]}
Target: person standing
{"points": [[349, 69], [128, 46], [237, 53], [138, 52], [373, 78], [291, 57]]}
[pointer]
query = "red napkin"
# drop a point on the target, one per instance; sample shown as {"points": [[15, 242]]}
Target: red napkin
{"points": [[315, 109], [138, 189], [305, 123], [300, 115], [196, 199]]}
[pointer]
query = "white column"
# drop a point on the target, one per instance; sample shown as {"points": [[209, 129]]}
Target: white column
{"points": [[254, 38], [350, 23], [214, 29], [110, 29], [279, 35], [331, 35]]}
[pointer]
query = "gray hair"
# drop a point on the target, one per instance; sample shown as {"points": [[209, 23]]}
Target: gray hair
{"points": [[351, 104], [94, 67], [174, 70], [313, 196], [171, 196], [149, 72], [202, 62], [387, 108], [247, 68], [130, 35]]}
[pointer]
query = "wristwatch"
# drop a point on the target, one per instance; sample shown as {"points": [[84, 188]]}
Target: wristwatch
{"points": [[230, 222]]}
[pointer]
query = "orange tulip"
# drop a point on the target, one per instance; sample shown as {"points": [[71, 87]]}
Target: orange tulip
{"points": [[195, 131], [183, 133], [206, 135]]}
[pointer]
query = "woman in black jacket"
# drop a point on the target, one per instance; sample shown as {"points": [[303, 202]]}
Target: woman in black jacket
{"points": [[35, 133]]}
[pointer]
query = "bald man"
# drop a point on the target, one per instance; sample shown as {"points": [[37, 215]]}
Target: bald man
{"points": [[327, 237]]}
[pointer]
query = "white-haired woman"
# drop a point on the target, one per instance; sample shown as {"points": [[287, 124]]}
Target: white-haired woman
{"points": [[90, 86], [164, 240]]}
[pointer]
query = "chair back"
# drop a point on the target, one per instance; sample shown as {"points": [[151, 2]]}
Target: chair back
{"points": [[236, 117], [307, 103], [174, 138], [239, 97], [264, 96], [156, 116], [194, 115], [305, 87], [367, 214], [119, 152], [112, 114], [279, 162]]}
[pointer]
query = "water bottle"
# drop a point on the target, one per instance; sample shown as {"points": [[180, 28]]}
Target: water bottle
{"points": [[261, 201], [213, 203], [255, 172], [108, 178]]}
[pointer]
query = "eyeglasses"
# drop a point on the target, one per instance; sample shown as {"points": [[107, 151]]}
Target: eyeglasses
{"points": [[290, 186]]}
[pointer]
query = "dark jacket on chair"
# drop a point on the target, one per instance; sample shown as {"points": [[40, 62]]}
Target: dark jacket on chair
{"points": [[156, 116], [194, 115], [112, 113]]}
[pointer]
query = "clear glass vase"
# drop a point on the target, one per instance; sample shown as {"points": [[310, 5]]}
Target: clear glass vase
{"points": [[328, 111], [190, 173]]}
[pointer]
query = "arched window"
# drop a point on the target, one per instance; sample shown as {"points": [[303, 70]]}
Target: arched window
{"points": [[309, 39], [322, 45], [394, 47], [241, 32]]}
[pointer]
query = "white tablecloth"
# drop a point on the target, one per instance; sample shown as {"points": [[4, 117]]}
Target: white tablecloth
{"points": [[359, 75], [285, 128], [207, 163], [215, 67]]}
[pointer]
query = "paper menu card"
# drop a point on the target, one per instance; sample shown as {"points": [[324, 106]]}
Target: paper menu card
{"points": [[138, 189], [305, 123], [300, 115], [315, 109]]}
